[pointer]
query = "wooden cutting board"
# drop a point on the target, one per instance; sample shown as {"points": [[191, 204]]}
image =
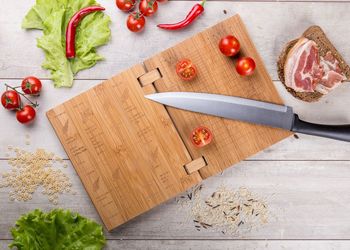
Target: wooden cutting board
{"points": [[133, 154]]}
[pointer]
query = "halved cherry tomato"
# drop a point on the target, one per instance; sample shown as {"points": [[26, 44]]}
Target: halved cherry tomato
{"points": [[245, 66], [229, 45], [31, 85], [136, 22], [26, 114], [186, 70], [201, 136], [125, 5], [10, 99], [148, 7]]}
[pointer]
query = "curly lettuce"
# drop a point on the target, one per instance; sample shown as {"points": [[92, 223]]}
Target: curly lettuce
{"points": [[52, 17], [58, 229]]}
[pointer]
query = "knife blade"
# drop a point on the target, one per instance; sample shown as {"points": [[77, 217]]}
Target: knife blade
{"points": [[247, 110]]}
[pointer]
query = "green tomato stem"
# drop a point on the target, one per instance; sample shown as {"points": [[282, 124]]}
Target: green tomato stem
{"points": [[14, 89]]}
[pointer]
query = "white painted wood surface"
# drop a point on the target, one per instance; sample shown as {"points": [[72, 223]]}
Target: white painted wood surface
{"points": [[307, 180]]}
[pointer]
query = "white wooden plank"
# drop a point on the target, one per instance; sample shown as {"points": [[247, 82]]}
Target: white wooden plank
{"points": [[334, 109], [309, 199], [219, 244], [227, 244], [271, 24]]}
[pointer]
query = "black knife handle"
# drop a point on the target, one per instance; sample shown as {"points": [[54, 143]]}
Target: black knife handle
{"points": [[337, 132]]}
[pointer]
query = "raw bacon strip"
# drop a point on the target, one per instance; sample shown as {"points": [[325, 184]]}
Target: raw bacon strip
{"points": [[302, 70], [306, 71]]}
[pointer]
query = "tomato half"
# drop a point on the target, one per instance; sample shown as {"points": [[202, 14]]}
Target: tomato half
{"points": [[245, 66], [148, 7], [125, 5], [26, 114], [10, 99], [229, 45], [186, 70], [201, 136], [136, 22], [31, 85]]}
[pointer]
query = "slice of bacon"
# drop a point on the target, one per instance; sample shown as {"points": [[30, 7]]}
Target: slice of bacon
{"points": [[302, 69], [306, 71]]}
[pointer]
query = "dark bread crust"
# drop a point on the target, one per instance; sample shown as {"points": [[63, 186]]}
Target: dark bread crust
{"points": [[316, 34]]}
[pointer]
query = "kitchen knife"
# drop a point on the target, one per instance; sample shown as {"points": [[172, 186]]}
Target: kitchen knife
{"points": [[237, 108]]}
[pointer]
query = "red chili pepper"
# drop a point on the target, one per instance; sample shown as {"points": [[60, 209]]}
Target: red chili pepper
{"points": [[72, 26], [191, 16]]}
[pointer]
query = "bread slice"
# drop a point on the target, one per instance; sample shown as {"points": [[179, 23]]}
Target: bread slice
{"points": [[316, 34]]}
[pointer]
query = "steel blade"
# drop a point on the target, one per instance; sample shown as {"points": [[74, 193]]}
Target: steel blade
{"points": [[230, 107]]}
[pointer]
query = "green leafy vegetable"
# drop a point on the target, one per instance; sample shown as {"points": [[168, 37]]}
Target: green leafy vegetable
{"points": [[58, 229], [52, 16]]}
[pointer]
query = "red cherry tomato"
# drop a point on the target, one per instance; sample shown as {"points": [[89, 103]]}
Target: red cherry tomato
{"points": [[186, 70], [31, 85], [148, 7], [229, 45], [125, 5], [26, 114], [10, 99], [201, 136], [245, 66], [136, 22]]}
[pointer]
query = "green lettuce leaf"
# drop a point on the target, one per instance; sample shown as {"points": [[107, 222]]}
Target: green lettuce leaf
{"points": [[52, 16], [58, 229]]}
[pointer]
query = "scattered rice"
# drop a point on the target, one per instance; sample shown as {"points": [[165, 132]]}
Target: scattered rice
{"points": [[232, 212], [29, 171]]}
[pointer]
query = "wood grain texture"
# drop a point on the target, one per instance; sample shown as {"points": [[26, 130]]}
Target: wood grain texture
{"points": [[233, 140], [307, 200], [219, 244], [228, 245], [324, 183], [126, 149], [115, 139], [267, 23], [334, 108]]}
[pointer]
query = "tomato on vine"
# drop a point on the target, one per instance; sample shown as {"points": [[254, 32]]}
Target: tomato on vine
{"points": [[148, 7], [26, 114], [10, 99], [31, 85], [136, 22], [125, 5]]}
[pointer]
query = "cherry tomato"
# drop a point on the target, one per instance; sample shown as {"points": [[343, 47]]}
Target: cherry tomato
{"points": [[201, 136], [136, 22], [186, 70], [31, 85], [26, 114], [245, 66], [148, 7], [229, 45], [125, 5], [10, 99]]}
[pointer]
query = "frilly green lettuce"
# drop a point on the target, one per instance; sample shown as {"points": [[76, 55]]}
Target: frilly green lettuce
{"points": [[58, 229], [52, 16]]}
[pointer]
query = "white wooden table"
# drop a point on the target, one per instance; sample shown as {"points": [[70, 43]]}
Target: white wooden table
{"points": [[308, 177]]}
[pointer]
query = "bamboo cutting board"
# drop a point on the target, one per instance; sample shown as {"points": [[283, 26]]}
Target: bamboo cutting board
{"points": [[133, 154]]}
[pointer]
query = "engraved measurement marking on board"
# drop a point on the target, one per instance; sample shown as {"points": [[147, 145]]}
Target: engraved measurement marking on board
{"points": [[91, 128]]}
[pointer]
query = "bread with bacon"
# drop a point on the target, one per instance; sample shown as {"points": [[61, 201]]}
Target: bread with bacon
{"points": [[310, 66]]}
